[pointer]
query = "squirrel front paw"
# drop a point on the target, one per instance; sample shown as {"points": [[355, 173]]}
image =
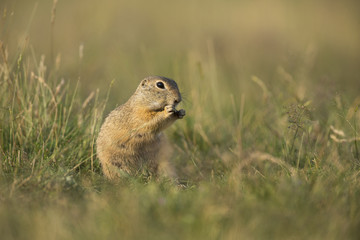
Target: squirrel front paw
{"points": [[170, 110]]}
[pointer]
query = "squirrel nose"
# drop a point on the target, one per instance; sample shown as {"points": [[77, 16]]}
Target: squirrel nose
{"points": [[177, 100]]}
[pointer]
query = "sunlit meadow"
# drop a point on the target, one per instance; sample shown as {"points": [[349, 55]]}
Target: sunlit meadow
{"points": [[269, 148]]}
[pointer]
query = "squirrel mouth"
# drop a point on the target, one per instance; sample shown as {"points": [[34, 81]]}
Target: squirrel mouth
{"points": [[162, 108], [173, 106]]}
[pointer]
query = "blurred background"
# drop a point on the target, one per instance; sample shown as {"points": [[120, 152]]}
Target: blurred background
{"points": [[212, 44], [271, 91]]}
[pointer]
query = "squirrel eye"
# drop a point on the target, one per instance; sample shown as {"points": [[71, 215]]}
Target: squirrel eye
{"points": [[160, 85]]}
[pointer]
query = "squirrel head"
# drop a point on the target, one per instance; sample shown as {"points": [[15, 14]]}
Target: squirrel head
{"points": [[156, 92]]}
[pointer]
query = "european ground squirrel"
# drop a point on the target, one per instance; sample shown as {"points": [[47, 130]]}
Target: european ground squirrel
{"points": [[131, 139]]}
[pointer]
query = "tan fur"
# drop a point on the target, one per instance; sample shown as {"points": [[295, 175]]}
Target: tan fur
{"points": [[131, 139]]}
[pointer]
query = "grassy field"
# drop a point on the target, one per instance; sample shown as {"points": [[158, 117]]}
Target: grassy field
{"points": [[269, 148]]}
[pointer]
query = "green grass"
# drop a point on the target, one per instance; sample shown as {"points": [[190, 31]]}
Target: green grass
{"points": [[269, 148]]}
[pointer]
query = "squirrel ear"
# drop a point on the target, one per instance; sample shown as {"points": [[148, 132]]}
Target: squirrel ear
{"points": [[143, 82]]}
